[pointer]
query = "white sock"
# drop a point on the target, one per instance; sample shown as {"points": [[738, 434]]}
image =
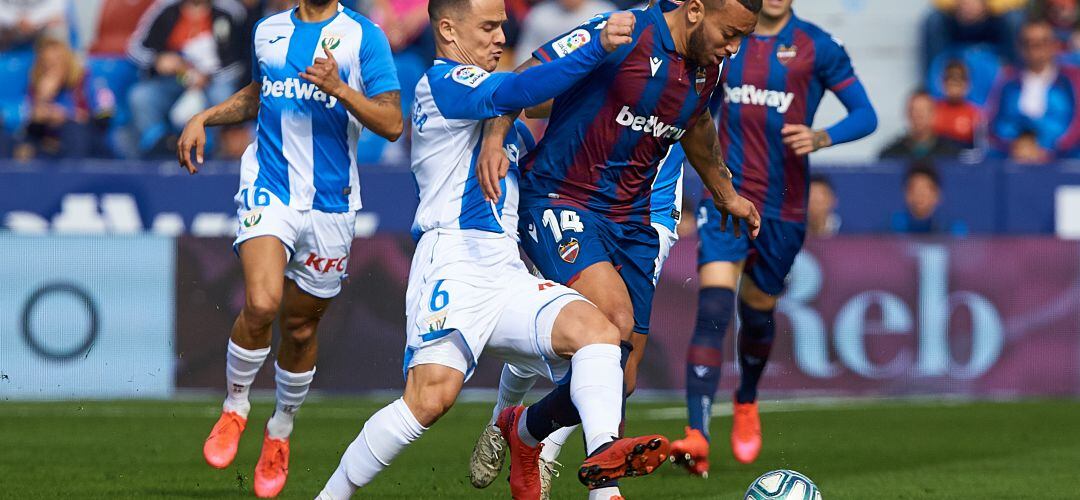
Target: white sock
{"points": [[554, 443], [384, 435], [292, 388], [604, 493], [596, 387], [241, 365], [513, 385]]}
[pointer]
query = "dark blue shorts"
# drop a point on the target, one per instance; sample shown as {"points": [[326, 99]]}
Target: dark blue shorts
{"points": [[768, 258], [563, 241]]}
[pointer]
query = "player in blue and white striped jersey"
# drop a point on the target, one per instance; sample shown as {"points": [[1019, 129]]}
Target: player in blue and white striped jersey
{"points": [[469, 291], [320, 74]]}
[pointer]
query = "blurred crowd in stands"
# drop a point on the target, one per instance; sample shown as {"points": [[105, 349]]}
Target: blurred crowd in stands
{"points": [[118, 79], [1002, 80]]}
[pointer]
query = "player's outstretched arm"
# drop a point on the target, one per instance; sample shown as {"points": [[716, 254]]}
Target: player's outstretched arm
{"points": [[534, 84], [380, 113], [707, 157], [238, 108], [540, 83]]}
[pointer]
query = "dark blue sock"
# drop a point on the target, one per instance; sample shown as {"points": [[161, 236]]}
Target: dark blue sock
{"points": [[704, 358], [554, 411], [627, 348], [755, 342]]}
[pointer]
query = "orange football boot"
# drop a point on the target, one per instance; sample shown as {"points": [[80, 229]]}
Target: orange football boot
{"points": [[524, 459], [625, 457], [273, 467], [219, 450], [746, 432], [692, 453]]}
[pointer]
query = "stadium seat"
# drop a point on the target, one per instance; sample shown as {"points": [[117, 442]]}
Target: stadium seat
{"points": [[983, 66], [15, 75], [119, 75]]}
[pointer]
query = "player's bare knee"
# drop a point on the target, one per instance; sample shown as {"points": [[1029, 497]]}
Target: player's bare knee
{"points": [[430, 403], [756, 298], [593, 328], [260, 308], [623, 320], [300, 332]]}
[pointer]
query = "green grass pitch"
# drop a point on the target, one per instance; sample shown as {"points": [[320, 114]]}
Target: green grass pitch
{"points": [[853, 450]]}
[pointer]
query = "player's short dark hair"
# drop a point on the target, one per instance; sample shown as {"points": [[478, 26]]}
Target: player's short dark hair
{"points": [[751, 5], [923, 167], [438, 9]]}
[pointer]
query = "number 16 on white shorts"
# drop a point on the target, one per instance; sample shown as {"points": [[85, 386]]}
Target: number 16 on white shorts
{"points": [[317, 243]]}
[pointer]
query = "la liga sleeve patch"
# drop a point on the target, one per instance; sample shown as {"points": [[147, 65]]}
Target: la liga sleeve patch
{"points": [[469, 75]]}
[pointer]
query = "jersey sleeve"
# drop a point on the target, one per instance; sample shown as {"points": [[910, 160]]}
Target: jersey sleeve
{"points": [[833, 65], [377, 69], [570, 41], [466, 92], [256, 70], [526, 136]]}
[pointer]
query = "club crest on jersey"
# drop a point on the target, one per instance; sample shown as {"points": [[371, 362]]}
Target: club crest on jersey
{"points": [[785, 53], [571, 42], [330, 42], [569, 251], [252, 218], [700, 79], [469, 76], [435, 322]]}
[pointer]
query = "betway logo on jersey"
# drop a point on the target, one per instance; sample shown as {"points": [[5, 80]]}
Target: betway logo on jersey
{"points": [[649, 125], [749, 94], [295, 88]]}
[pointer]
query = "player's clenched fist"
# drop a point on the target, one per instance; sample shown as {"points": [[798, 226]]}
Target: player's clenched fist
{"points": [[618, 31]]}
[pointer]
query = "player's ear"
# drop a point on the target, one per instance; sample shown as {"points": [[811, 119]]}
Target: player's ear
{"points": [[445, 29], [695, 11]]}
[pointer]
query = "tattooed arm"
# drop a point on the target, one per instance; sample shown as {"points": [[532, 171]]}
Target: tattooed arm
{"points": [[238, 108], [706, 155]]}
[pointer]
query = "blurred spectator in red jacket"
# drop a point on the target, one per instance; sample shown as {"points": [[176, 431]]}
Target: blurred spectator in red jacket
{"points": [[69, 112], [955, 117], [116, 21]]}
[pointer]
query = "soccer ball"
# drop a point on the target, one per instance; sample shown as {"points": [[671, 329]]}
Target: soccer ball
{"points": [[783, 485]]}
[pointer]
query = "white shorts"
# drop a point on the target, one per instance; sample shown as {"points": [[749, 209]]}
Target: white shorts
{"points": [[469, 292], [668, 239], [317, 243]]}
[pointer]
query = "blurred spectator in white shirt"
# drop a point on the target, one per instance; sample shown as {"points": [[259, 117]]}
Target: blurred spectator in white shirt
{"points": [[23, 21]]}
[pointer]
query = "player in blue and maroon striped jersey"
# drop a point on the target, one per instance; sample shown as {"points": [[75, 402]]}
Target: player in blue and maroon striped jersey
{"points": [[770, 92], [585, 188]]}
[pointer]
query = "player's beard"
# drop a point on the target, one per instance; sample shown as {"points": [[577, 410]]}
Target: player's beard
{"points": [[695, 45], [318, 3]]}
